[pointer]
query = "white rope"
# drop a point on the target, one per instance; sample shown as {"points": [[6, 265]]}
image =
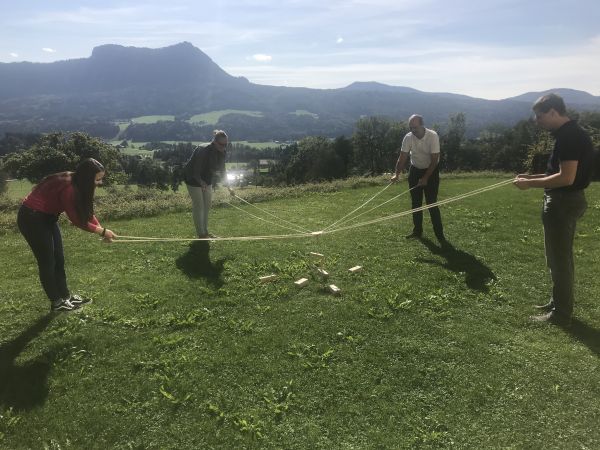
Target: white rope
{"points": [[236, 238], [265, 220], [297, 227], [352, 212], [317, 233], [375, 207], [422, 208]]}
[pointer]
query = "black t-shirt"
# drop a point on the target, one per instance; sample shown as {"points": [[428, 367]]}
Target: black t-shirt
{"points": [[572, 144]]}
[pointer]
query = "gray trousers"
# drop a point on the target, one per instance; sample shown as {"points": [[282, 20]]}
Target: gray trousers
{"points": [[560, 213], [201, 201]]}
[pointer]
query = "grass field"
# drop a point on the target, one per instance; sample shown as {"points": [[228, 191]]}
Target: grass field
{"points": [[153, 119], [213, 117], [303, 112], [184, 348]]}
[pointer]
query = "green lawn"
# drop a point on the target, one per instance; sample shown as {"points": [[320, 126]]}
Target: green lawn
{"points": [[18, 189], [303, 112], [183, 347], [213, 117], [153, 119]]}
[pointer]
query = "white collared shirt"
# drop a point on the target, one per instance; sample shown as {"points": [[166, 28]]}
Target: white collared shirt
{"points": [[421, 149]]}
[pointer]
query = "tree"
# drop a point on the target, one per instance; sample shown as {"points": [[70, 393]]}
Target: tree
{"points": [[151, 173], [57, 152], [316, 160], [342, 147], [452, 141], [3, 182], [371, 154]]}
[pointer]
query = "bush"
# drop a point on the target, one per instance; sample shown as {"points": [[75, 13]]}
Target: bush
{"points": [[3, 182]]}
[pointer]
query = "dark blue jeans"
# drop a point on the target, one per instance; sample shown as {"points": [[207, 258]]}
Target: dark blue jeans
{"points": [[431, 193], [560, 213], [43, 236]]}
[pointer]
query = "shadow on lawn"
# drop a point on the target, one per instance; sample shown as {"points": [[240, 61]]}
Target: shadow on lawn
{"points": [[477, 274], [196, 263], [585, 334], [24, 386]]}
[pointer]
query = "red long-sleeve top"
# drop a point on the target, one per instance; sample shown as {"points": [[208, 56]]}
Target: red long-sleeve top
{"points": [[56, 195]]}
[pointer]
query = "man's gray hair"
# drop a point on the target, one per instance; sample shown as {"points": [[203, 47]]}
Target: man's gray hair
{"points": [[219, 134], [417, 116]]}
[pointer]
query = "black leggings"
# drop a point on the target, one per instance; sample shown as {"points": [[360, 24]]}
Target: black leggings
{"points": [[42, 233]]}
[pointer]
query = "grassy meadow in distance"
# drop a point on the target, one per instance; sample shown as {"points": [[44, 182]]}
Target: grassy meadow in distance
{"points": [[183, 347], [214, 116]]}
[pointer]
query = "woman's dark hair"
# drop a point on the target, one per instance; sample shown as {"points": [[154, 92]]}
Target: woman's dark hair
{"points": [[84, 184]]}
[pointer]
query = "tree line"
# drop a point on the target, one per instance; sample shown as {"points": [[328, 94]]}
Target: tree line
{"points": [[372, 149]]}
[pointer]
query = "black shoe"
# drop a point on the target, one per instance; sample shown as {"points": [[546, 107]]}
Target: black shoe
{"points": [[553, 318], [413, 235], [444, 244], [78, 300], [62, 305], [547, 307]]}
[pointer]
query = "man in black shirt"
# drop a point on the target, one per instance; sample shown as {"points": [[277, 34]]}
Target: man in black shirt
{"points": [[568, 173]]}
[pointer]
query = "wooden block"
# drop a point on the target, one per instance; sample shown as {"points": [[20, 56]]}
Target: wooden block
{"points": [[316, 255], [355, 269], [334, 289], [301, 282], [323, 273], [268, 278]]}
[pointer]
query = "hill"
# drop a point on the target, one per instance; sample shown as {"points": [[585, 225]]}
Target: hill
{"points": [[119, 83]]}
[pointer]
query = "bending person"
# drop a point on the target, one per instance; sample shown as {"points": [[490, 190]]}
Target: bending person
{"points": [[200, 175], [70, 192], [423, 146]]}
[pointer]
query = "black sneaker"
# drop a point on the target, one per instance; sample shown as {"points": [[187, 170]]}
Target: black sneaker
{"points": [[78, 300], [413, 235], [62, 305]]}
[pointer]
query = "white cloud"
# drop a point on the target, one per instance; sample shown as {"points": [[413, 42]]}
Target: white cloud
{"points": [[49, 50], [14, 55], [260, 57], [339, 40]]}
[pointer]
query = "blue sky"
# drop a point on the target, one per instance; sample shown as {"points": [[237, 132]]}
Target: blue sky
{"points": [[490, 49]]}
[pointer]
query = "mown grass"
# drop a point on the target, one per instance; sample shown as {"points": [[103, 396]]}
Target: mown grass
{"points": [[153, 119], [184, 348], [213, 117]]}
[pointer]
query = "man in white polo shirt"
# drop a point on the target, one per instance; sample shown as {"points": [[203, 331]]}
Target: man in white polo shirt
{"points": [[423, 146]]}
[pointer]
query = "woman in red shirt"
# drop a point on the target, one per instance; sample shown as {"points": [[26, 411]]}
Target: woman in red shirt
{"points": [[73, 193]]}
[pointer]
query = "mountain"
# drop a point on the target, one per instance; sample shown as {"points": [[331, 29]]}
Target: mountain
{"points": [[571, 97], [119, 83]]}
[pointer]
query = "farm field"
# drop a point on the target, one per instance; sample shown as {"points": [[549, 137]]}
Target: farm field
{"points": [[425, 347]]}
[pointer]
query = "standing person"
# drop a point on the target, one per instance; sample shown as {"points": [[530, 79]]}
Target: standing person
{"points": [[568, 173], [73, 193], [200, 175], [423, 146]]}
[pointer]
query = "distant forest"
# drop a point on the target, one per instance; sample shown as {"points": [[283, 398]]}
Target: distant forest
{"points": [[372, 149]]}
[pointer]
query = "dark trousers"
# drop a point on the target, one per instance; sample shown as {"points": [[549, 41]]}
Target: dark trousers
{"points": [[560, 213], [431, 193], [42, 233]]}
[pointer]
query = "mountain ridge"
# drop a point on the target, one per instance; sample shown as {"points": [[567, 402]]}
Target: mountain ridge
{"points": [[118, 82]]}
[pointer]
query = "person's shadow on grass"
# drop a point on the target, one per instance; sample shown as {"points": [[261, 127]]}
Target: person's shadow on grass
{"points": [[196, 263], [24, 386], [585, 334], [477, 274]]}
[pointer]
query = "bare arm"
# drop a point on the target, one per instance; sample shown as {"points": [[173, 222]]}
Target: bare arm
{"points": [[400, 164], [564, 177], [435, 159]]}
